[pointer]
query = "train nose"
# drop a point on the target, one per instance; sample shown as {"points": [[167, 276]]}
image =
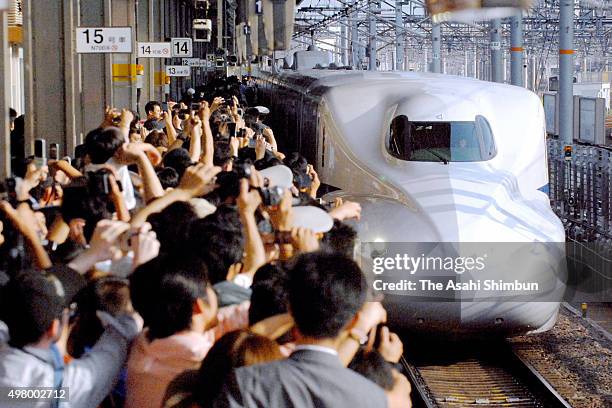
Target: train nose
{"points": [[465, 208]]}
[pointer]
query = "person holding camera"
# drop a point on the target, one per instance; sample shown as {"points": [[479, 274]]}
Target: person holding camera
{"points": [[35, 308]]}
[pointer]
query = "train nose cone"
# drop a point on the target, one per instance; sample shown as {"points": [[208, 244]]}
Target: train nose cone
{"points": [[469, 206]]}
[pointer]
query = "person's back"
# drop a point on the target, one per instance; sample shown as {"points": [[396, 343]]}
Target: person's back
{"points": [[308, 378], [180, 311], [326, 296], [35, 311]]}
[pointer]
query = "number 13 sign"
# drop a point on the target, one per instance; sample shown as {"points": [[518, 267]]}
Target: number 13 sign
{"points": [[95, 40]]}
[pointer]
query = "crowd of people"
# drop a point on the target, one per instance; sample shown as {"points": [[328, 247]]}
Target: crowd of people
{"points": [[182, 260]]}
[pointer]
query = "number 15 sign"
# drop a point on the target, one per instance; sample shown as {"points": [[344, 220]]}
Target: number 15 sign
{"points": [[95, 40]]}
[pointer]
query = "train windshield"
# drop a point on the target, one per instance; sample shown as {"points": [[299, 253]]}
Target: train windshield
{"points": [[441, 141]]}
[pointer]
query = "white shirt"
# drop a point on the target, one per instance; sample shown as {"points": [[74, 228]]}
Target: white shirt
{"points": [[124, 177], [312, 347]]}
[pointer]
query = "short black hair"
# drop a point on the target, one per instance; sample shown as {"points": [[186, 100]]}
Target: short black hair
{"points": [[178, 159], [171, 225], [222, 153], [269, 160], [150, 106], [269, 293], [80, 200], [229, 186], [218, 239], [163, 292], [29, 304], [102, 144], [296, 162], [372, 365], [168, 177], [326, 291], [341, 238]]}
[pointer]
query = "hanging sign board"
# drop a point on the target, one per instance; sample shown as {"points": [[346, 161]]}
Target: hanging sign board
{"points": [[154, 50], [178, 71], [103, 40]]}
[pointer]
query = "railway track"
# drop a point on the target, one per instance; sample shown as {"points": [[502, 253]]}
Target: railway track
{"points": [[491, 376]]}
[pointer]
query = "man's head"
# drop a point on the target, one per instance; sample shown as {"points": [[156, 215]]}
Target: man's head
{"points": [[172, 225], [33, 305], [178, 159], [84, 204], [102, 144], [341, 239], [157, 138], [325, 293], [218, 239], [222, 155], [168, 177], [172, 294], [269, 293], [153, 109]]}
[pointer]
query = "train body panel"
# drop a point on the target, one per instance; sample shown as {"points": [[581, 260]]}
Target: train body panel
{"points": [[348, 122]]}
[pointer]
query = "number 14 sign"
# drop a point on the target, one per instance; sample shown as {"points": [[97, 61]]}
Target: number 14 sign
{"points": [[182, 47], [94, 40]]}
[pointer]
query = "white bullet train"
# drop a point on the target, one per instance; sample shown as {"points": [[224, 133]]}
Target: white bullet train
{"points": [[433, 158]]}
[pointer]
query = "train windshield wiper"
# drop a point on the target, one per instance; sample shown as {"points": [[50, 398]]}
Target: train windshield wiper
{"points": [[438, 155]]}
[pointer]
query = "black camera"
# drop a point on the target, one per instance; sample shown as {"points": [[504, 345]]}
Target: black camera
{"points": [[184, 114], [232, 129], [242, 168], [272, 196], [99, 182]]}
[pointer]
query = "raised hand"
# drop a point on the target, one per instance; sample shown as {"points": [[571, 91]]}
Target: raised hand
{"points": [[198, 179], [247, 201], [304, 239]]}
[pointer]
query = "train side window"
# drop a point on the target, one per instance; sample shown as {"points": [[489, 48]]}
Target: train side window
{"points": [[456, 141]]}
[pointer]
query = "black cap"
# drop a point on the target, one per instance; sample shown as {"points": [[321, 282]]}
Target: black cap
{"points": [[39, 297]]}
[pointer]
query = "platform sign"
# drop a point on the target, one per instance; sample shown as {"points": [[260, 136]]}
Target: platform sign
{"points": [[178, 71], [154, 50], [182, 47], [495, 45], [259, 7], [103, 40], [210, 57], [194, 62]]}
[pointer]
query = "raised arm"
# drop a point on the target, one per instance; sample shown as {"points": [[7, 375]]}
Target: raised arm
{"points": [[170, 130], [195, 147], [196, 181], [207, 136], [255, 253], [142, 154]]}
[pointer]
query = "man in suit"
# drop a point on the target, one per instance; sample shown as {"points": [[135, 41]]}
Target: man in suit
{"points": [[327, 294]]}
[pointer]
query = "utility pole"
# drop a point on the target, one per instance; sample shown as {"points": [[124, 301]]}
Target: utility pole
{"points": [[516, 50], [435, 42]]}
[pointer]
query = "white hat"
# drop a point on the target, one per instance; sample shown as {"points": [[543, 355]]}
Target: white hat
{"points": [[313, 218], [262, 110], [191, 91], [280, 176], [202, 207]]}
